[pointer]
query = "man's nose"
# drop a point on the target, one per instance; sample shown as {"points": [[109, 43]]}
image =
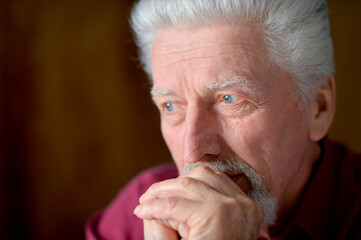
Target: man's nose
{"points": [[201, 136]]}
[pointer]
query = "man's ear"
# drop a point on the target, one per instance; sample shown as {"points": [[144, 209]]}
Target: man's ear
{"points": [[322, 109]]}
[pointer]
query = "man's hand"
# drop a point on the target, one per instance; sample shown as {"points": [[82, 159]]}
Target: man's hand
{"points": [[201, 204]]}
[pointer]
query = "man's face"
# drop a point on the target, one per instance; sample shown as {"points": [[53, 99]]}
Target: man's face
{"points": [[221, 97]]}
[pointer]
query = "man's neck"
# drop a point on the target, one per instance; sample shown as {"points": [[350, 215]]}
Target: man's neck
{"points": [[290, 200]]}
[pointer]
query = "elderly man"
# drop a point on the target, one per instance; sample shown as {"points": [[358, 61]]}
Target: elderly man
{"points": [[246, 94]]}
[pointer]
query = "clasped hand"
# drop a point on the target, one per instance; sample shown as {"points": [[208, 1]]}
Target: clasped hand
{"points": [[201, 204]]}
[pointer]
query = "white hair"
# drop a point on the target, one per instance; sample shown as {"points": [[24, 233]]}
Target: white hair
{"points": [[296, 32]]}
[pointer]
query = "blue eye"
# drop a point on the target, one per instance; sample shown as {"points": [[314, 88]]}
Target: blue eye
{"points": [[169, 106], [228, 98]]}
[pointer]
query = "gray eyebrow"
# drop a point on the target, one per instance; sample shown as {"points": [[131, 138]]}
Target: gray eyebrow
{"points": [[223, 83], [220, 84], [154, 91], [161, 91]]}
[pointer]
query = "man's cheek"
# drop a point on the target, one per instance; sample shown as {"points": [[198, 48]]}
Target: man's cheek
{"points": [[246, 139], [175, 147]]}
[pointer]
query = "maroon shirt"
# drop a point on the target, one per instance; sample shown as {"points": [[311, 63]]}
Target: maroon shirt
{"points": [[330, 207]]}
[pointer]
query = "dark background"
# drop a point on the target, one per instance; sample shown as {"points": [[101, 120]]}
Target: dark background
{"points": [[76, 120]]}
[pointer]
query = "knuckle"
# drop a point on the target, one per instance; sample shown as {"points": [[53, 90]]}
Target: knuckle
{"points": [[254, 209], [154, 186], [221, 212], [221, 207], [251, 206], [231, 203], [205, 169], [202, 170], [171, 203], [185, 182]]}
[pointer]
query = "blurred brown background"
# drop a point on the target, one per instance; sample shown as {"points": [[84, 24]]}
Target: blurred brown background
{"points": [[76, 120]]}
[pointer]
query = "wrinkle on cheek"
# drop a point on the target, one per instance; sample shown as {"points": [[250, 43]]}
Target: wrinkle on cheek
{"points": [[252, 140], [245, 136], [256, 142]]}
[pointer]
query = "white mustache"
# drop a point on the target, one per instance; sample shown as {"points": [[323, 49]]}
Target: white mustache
{"points": [[233, 167]]}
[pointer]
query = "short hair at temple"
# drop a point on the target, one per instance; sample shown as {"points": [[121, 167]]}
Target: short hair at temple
{"points": [[296, 33]]}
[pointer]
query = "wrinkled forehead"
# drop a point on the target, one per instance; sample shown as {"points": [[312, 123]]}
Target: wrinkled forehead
{"points": [[175, 43], [209, 54]]}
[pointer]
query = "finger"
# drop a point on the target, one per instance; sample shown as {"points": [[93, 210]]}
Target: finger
{"points": [[192, 218], [154, 230], [217, 180], [186, 187], [177, 213], [174, 208]]}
